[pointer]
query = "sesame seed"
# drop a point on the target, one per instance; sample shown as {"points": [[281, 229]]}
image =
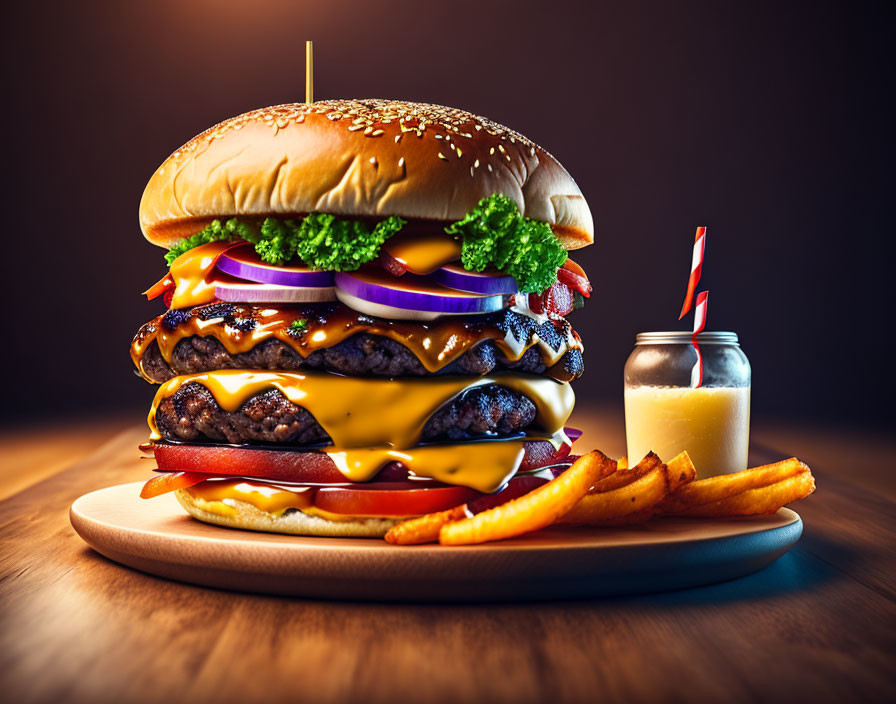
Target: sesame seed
{"points": [[442, 156], [369, 115], [476, 164], [491, 150], [401, 162]]}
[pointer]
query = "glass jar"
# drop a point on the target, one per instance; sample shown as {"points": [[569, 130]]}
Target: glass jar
{"points": [[668, 409]]}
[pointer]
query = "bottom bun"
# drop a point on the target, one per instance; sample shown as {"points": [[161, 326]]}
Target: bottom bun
{"points": [[239, 514]]}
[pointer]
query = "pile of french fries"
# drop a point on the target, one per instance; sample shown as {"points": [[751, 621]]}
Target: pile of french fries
{"points": [[599, 491]]}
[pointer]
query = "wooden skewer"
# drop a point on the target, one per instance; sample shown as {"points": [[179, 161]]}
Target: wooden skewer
{"points": [[309, 73]]}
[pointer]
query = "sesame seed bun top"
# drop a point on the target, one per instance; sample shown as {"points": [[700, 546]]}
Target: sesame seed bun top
{"points": [[358, 158]]}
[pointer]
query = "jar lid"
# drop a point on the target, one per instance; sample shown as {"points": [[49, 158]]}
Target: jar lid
{"points": [[685, 338]]}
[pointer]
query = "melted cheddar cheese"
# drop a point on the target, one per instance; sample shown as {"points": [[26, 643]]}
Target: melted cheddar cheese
{"points": [[375, 421]]}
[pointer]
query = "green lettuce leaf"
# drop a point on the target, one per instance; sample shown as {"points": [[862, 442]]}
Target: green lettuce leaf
{"points": [[216, 231], [325, 242], [496, 234], [321, 240]]}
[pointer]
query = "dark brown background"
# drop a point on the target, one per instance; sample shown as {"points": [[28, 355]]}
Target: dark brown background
{"points": [[766, 121]]}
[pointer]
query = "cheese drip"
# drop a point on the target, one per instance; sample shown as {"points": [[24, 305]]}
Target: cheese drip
{"points": [[422, 253], [219, 496], [191, 271], [262, 495], [375, 421]]}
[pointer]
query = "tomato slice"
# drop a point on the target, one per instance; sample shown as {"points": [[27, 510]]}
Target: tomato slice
{"points": [[416, 502], [557, 300], [301, 466], [575, 277], [286, 465], [392, 503], [163, 483]]}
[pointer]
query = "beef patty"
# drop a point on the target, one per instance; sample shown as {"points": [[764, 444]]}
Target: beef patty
{"points": [[362, 354], [192, 414]]}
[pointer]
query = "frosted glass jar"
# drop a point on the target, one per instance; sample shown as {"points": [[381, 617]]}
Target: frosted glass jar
{"points": [[665, 413]]}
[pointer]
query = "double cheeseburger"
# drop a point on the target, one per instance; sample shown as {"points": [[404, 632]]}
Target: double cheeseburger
{"points": [[366, 317]]}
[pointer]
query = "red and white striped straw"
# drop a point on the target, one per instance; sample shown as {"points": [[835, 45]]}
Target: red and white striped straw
{"points": [[699, 324], [700, 312], [696, 270], [697, 369]]}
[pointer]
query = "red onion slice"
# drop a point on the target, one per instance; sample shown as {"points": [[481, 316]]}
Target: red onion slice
{"points": [[245, 292], [484, 283], [572, 433], [244, 263], [410, 293]]}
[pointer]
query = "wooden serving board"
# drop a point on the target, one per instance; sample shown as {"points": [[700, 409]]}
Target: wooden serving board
{"points": [[158, 537]]}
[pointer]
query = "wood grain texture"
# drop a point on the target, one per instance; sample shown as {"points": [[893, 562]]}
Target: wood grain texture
{"points": [[818, 625], [28, 457]]}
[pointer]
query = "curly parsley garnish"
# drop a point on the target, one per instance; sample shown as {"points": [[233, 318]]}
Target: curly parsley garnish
{"points": [[298, 326], [322, 241], [216, 231], [330, 244], [496, 234]]}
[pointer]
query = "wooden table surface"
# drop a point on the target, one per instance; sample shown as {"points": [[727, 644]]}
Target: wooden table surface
{"points": [[819, 625]]}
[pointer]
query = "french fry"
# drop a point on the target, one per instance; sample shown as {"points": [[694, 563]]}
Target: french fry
{"points": [[537, 509], [630, 502], [619, 478], [723, 486], [597, 491], [424, 529], [763, 500], [681, 471]]}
